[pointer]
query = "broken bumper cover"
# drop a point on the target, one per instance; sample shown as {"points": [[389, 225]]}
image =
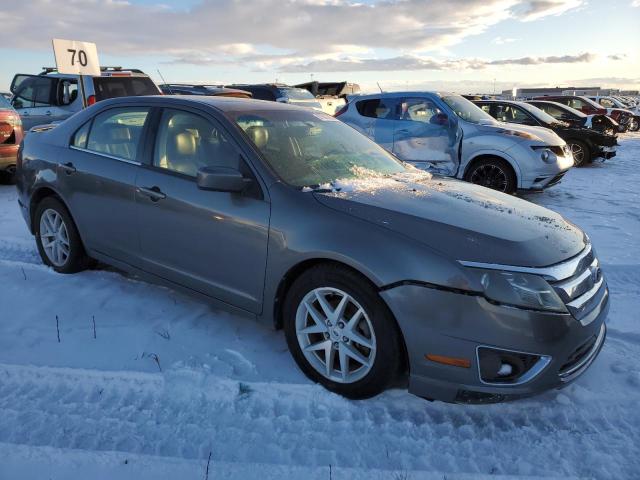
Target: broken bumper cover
{"points": [[444, 323], [605, 152]]}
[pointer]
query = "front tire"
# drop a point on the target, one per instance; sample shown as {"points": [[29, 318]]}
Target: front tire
{"points": [[341, 333], [580, 151], [494, 173], [57, 238]]}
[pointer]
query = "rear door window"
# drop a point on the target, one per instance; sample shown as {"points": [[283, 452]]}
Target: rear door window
{"points": [[382, 108], [117, 131], [79, 138], [113, 87]]}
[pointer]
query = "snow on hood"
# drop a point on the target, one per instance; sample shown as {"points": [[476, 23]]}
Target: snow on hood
{"points": [[461, 220]]}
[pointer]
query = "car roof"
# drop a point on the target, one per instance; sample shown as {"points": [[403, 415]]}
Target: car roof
{"points": [[357, 97], [223, 104]]}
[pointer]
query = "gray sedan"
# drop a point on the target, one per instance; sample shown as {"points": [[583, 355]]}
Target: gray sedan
{"points": [[377, 272]]}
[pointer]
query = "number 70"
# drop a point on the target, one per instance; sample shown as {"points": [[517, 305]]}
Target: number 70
{"points": [[81, 56]]}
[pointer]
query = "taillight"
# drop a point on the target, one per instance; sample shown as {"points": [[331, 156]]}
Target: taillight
{"points": [[342, 110], [91, 100]]}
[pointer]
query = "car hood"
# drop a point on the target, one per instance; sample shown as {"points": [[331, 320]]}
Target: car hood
{"points": [[547, 137], [460, 220]]}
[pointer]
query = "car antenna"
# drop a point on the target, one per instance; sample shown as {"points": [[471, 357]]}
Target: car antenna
{"points": [[378, 83], [165, 82]]}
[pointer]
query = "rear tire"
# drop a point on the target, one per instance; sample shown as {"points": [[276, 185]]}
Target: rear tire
{"points": [[358, 327], [8, 177], [494, 173], [57, 238], [581, 152]]}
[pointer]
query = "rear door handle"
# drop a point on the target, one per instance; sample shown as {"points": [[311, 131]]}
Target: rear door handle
{"points": [[68, 168], [154, 193]]}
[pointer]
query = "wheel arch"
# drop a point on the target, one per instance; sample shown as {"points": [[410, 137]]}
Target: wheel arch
{"points": [[38, 196], [488, 156], [299, 268]]}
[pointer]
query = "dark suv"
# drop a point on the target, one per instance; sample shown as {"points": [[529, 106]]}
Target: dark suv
{"points": [[278, 92], [206, 90], [585, 144], [588, 106]]}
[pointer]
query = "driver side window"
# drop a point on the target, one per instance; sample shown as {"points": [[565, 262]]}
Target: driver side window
{"points": [[32, 91], [511, 114], [186, 142]]}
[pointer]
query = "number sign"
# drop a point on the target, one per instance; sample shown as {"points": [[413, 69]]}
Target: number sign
{"points": [[77, 58]]}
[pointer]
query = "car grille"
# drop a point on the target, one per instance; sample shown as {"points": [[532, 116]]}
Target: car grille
{"points": [[584, 287]]}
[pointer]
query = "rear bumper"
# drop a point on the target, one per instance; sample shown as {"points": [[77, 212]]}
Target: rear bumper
{"points": [[437, 322], [8, 156]]}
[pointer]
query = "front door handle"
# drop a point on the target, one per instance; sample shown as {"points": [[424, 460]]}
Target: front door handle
{"points": [[68, 168], [48, 113], [154, 193]]}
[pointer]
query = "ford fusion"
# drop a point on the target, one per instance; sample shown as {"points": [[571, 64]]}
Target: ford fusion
{"points": [[379, 274]]}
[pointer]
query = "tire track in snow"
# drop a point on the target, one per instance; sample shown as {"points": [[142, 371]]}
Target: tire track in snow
{"points": [[186, 414]]}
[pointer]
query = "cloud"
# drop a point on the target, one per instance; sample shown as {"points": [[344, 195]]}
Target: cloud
{"points": [[635, 3], [502, 41], [411, 62], [618, 56], [213, 30], [582, 58], [536, 9]]}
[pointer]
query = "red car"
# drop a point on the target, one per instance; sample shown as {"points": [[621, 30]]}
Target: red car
{"points": [[590, 107], [10, 138]]}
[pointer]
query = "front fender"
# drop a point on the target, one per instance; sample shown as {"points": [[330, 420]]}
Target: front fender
{"points": [[489, 152]]}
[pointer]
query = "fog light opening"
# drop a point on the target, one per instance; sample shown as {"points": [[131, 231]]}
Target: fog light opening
{"points": [[508, 368]]}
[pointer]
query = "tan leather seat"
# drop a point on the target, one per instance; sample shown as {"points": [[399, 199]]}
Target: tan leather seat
{"points": [[182, 152]]}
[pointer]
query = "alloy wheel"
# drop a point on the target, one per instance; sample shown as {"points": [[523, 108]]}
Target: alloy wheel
{"points": [[335, 335], [54, 237], [578, 153], [491, 176]]}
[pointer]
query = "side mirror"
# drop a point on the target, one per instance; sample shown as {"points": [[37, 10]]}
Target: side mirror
{"points": [[221, 179]]}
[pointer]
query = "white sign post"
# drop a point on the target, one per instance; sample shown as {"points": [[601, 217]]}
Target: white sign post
{"points": [[76, 58]]}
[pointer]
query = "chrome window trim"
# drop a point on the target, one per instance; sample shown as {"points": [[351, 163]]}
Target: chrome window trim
{"points": [[542, 363], [581, 366], [106, 155], [557, 272]]}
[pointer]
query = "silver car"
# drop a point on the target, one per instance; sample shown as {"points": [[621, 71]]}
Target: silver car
{"points": [[378, 272], [447, 134]]}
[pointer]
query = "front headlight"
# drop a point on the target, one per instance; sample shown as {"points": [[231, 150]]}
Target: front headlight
{"points": [[520, 290]]}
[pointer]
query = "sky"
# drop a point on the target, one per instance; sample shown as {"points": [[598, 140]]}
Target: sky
{"points": [[467, 46]]}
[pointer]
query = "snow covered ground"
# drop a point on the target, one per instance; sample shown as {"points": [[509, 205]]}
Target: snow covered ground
{"points": [[167, 382]]}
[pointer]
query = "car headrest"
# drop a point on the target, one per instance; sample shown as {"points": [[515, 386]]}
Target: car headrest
{"points": [[258, 135], [120, 133], [185, 143]]}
